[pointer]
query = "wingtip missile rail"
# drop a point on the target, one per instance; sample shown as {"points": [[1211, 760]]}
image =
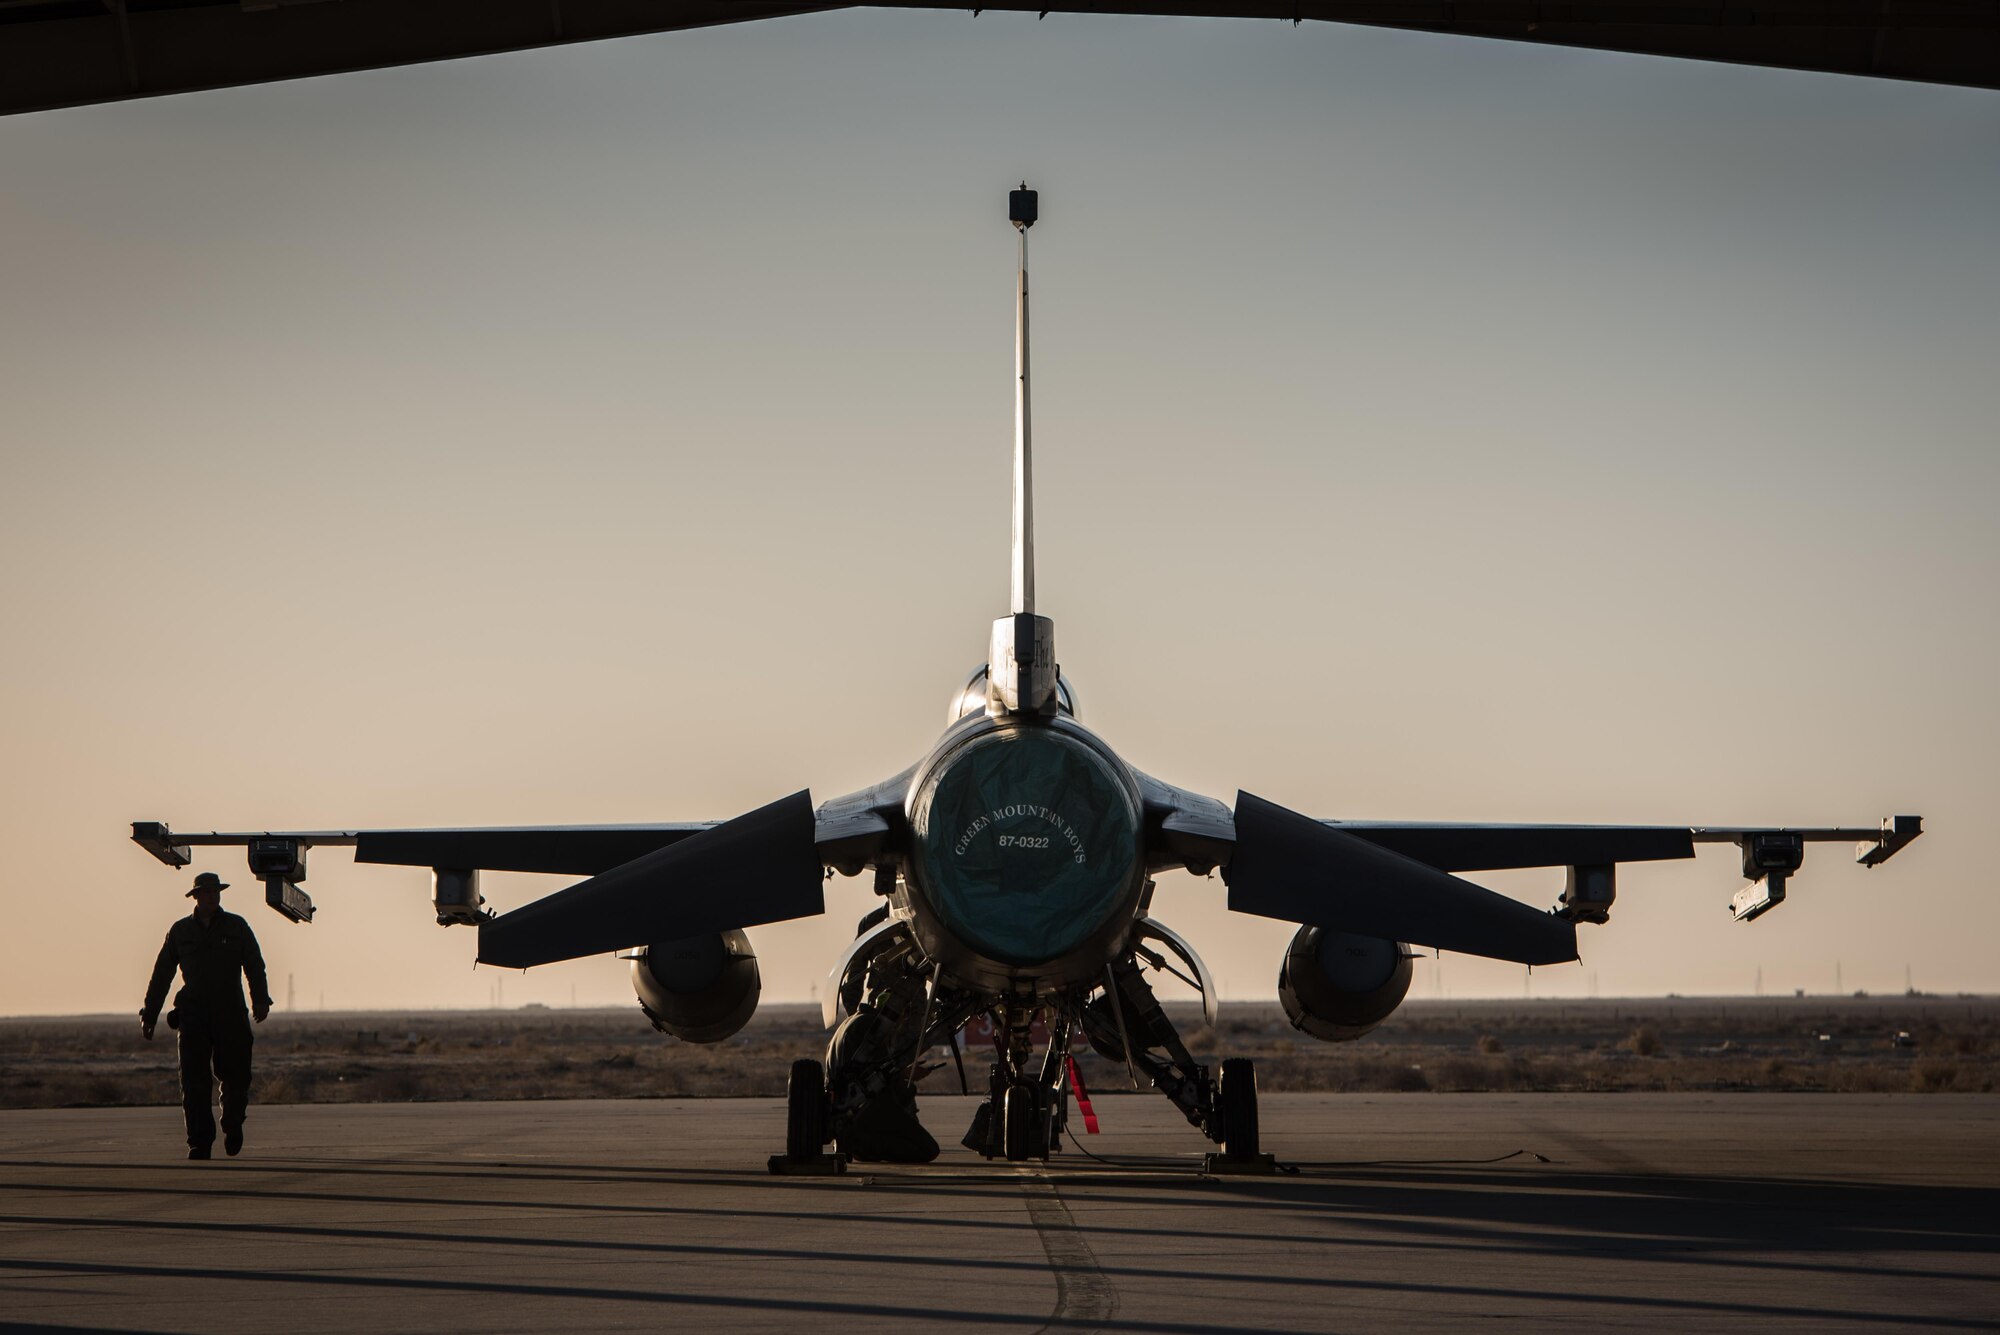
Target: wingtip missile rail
{"points": [[1772, 856], [278, 860]]}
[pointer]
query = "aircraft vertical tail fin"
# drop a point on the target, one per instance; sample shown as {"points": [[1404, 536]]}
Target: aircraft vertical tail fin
{"points": [[1021, 670], [1021, 210]]}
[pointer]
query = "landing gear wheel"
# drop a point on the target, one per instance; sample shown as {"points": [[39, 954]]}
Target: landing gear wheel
{"points": [[1021, 1123], [1236, 1108], [805, 1111]]}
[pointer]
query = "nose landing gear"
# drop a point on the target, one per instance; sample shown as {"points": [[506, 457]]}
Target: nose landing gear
{"points": [[1027, 1104], [1028, 1125], [1024, 1123]]}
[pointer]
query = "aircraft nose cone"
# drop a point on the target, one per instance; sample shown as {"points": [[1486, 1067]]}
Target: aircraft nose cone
{"points": [[1026, 842]]}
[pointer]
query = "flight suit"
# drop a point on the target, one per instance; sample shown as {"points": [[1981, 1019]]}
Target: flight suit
{"points": [[214, 1023]]}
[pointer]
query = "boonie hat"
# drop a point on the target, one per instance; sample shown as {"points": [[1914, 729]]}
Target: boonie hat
{"points": [[208, 880]]}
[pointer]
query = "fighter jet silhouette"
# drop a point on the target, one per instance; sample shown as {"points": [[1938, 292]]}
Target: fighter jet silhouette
{"points": [[1015, 863]]}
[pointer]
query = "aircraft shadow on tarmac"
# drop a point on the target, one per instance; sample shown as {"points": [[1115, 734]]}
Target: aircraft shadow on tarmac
{"points": [[1522, 1217]]}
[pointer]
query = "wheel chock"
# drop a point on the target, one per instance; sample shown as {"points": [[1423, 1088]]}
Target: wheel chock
{"points": [[1250, 1165], [820, 1165]]}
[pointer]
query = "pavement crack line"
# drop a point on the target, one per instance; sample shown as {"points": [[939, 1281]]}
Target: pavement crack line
{"points": [[1085, 1295]]}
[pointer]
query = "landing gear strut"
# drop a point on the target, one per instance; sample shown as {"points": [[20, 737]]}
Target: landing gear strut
{"points": [[1127, 1025]]}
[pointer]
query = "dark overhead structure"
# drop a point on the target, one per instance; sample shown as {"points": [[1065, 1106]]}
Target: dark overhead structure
{"points": [[62, 53]]}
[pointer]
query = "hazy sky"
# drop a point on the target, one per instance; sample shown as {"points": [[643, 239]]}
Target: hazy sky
{"points": [[1428, 429]]}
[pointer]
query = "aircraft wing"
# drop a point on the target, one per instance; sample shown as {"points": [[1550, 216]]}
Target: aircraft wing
{"points": [[1475, 847], [59, 53], [646, 882], [570, 850], [1394, 878]]}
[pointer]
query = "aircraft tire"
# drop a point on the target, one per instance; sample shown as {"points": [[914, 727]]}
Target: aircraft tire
{"points": [[805, 1111], [1236, 1100], [1020, 1120]]}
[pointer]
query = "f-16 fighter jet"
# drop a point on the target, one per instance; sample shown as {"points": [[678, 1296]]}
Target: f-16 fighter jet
{"points": [[1015, 865]]}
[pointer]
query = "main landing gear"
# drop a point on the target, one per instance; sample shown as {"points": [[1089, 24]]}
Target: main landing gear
{"points": [[808, 1124], [1235, 1122], [1126, 1024]]}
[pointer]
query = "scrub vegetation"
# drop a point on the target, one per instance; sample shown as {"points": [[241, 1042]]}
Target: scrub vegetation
{"points": [[1921, 1044]]}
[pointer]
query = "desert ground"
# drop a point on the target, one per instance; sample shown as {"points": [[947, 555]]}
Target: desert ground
{"points": [[1917, 1043]]}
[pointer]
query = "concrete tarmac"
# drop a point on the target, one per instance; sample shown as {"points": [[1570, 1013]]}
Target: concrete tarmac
{"points": [[1407, 1212]]}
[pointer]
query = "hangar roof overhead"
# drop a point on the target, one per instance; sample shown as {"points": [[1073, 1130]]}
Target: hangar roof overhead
{"points": [[59, 53]]}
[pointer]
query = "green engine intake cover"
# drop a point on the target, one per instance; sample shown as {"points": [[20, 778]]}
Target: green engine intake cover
{"points": [[1026, 843]]}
